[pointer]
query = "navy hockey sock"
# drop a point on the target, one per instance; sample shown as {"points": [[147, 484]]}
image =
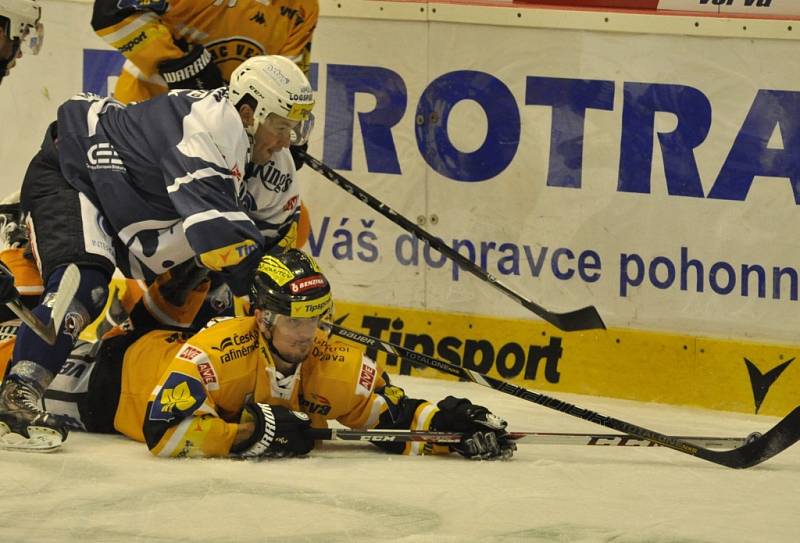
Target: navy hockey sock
{"points": [[87, 304]]}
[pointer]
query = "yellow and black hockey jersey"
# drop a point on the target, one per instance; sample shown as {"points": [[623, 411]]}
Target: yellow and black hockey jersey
{"points": [[186, 399], [146, 32]]}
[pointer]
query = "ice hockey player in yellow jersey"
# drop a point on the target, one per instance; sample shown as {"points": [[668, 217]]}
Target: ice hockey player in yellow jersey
{"points": [[191, 44], [251, 386]]}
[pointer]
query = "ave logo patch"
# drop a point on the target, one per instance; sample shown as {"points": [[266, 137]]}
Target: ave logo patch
{"points": [[189, 353], [208, 375]]}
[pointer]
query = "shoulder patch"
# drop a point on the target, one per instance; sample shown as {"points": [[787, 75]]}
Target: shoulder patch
{"points": [[208, 375], [189, 353], [366, 376], [180, 396]]}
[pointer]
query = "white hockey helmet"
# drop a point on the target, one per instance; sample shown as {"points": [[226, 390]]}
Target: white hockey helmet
{"points": [[20, 20], [278, 86]]}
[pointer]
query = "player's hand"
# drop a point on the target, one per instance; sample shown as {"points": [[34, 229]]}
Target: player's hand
{"points": [[484, 432], [7, 290], [279, 432], [194, 71]]}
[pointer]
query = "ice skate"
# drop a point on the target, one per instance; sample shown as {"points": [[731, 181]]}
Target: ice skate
{"points": [[24, 426]]}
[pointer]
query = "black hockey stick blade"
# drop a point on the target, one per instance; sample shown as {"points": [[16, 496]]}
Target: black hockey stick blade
{"points": [[44, 331], [764, 447], [582, 319], [586, 318], [528, 438], [779, 438]]}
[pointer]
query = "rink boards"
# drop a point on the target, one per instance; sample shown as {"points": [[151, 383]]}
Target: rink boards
{"points": [[636, 365]]}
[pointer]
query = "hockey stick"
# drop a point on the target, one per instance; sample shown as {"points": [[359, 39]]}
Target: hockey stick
{"points": [[529, 438], [63, 297], [586, 318], [778, 438]]}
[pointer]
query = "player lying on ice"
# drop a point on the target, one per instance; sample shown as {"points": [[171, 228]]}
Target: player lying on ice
{"points": [[251, 386]]}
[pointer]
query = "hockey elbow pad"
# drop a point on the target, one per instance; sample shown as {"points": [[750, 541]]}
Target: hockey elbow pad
{"points": [[196, 70]]}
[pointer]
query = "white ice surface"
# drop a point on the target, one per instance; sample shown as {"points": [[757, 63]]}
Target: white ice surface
{"points": [[108, 489]]}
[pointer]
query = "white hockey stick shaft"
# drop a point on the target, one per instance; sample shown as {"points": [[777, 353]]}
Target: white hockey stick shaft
{"points": [[529, 438]]}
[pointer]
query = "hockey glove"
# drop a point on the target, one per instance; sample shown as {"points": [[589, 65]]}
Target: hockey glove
{"points": [[279, 432], [194, 71], [484, 433], [183, 279], [7, 290]]}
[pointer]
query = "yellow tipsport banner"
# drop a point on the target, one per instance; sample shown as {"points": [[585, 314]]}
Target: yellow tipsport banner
{"points": [[618, 363], [629, 364]]}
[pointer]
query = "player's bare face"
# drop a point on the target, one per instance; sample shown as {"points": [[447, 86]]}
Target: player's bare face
{"points": [[273, 135], [293, 338]]}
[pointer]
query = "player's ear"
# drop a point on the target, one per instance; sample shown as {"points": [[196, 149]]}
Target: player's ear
{"points": [[247, 114]]}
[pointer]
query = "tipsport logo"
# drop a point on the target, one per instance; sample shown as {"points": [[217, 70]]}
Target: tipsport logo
{"points": [[761, 383]]}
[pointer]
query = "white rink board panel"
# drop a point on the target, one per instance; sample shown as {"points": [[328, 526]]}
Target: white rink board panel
{"points": [[658, 188]]}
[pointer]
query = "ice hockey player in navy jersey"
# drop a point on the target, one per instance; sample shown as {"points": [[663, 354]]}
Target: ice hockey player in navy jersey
{"points": [[145, 188]]}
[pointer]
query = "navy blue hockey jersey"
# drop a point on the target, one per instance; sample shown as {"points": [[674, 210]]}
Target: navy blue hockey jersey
{"points": [[168, 176]]}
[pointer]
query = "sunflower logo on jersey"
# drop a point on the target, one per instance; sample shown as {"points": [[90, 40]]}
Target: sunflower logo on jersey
{"points": [[179, 397]]}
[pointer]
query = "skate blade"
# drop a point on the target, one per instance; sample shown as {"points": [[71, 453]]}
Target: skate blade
{"points": [[41, 439]]}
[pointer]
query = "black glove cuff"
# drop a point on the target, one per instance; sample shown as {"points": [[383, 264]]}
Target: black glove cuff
{"points": [[261, 439], [451, 416]]}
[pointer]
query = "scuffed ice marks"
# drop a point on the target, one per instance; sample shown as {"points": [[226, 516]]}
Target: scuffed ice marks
{"points": [[182, 505]]}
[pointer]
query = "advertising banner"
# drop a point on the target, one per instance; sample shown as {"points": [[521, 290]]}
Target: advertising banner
{"points": [[657, 187], [663, 368], [753, 8], [757, 8]]}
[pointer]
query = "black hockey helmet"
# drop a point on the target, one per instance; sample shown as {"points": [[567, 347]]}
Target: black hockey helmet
{"points": [[291, 284]]}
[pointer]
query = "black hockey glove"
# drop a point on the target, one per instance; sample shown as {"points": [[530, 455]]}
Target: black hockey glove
{"points": [[279, 432], [183, 279], [484, 433], [297, 151], [194, 71], [7, 290]]}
